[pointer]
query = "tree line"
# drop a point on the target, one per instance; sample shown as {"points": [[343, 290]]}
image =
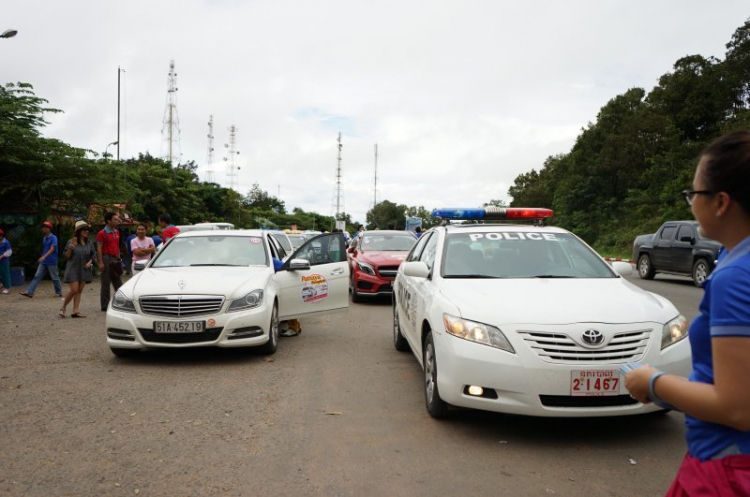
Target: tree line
{"points": [[626, 171]]}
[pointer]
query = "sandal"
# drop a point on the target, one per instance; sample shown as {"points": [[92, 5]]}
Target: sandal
{"points": [[62, 312], [77, 315]]}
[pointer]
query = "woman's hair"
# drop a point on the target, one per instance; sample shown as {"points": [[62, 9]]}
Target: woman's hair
{"points": [[78, 235], [726, 167], [144, 226]]}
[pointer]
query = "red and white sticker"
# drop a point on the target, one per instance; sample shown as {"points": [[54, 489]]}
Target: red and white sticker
{"points": [[314, 288], [254, 239]]}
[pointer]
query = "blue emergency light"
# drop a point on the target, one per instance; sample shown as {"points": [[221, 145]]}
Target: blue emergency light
{"points": [[492, 213]]}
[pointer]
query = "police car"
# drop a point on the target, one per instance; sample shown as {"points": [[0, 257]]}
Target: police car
{"points": [[527, 319]]}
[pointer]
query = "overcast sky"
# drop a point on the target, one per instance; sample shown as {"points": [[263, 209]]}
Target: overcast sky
{"points": [[461, 96]]}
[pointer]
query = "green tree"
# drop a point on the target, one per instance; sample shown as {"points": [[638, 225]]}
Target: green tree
{"points": [[387, 215]]}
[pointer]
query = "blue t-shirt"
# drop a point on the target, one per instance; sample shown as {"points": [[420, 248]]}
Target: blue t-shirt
{"points": [[157, 240], [4, 247], [127, 244], [48, 242], [724, 312]]}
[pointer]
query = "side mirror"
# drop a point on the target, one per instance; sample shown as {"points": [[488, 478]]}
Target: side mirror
{"points": [[622, 268], [688, 239], [418, 269], [299, 264], [139, 265]]}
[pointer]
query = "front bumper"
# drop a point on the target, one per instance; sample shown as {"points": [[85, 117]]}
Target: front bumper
{"points": [[367, 284], [523, 383], [235, 329]]}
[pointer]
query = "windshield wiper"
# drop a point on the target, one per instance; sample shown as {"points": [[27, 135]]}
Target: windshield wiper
{"points": [[194, 265], [470, 276], [550, 276]]}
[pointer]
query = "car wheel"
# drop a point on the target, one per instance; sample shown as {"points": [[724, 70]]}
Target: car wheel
{"points": [[645, 269], [435, 405], [398, 338], [273, 331], [356, 297], [701, 271], [124, 352]]}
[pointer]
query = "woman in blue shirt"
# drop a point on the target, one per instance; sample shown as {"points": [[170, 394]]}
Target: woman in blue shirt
{"points": [[716, 397]]}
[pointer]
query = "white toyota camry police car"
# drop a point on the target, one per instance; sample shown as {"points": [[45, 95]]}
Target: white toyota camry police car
{"points": [[219, 288], [527, 319]]}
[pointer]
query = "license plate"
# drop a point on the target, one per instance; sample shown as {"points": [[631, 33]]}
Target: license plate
{"points": [[594, 383], [179, 327]]}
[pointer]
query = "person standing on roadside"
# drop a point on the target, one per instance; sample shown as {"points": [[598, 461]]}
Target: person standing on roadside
{"points": [[47, 262], [141, 246], [169, 229], [5, 253], [108, 257], [715, 398], [80, 253]]}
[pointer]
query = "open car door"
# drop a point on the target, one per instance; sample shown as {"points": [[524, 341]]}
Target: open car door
{"points": [[315, 279]]}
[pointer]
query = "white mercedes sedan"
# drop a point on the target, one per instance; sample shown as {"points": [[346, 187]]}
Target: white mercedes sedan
{"points": [[219, 288], [528, 319]]}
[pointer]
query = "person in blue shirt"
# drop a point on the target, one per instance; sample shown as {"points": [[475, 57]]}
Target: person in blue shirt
{"points": [[716, 396], [5, 252], [47, 263]]}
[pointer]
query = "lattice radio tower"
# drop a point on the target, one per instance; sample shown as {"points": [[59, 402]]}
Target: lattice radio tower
{"points": [[210, 151], [375, 189], [170, 130], [338, 192], [232, 153]]}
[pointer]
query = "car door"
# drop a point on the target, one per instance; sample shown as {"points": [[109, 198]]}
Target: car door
{"points": [[682, 251], [420, 295], [403, 291], [661, 254], [324, 287]]}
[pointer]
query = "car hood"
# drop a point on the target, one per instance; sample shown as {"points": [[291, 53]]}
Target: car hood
{"points": [[556, 301], [389, 258], [228, 281]]}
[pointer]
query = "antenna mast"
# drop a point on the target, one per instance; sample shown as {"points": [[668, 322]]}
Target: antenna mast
{"points": [[338, 181], [232, 168], [170, 130], [375, 190], [210, 152]]}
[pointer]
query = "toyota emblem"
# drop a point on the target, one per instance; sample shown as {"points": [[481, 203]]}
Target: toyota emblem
{"points": [[592, 337]]}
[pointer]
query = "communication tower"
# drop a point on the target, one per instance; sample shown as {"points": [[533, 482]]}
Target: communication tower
{"points": [[210, 152], [170, 130], [338, 193], [232, 152], [375, 189]]}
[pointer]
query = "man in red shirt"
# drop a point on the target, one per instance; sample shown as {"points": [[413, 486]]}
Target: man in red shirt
{"points": [[170, 230], [108, 252]]}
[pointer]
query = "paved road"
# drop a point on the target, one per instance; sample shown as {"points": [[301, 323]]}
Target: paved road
{"points": [[337, 411]]}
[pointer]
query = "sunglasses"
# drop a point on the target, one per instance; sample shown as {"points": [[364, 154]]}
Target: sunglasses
{"points": [[690, 194]]}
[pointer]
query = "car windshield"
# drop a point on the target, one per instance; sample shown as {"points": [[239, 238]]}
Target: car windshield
{"points": [[387, 242], [213, 250], [514, 254], [296, 240]]}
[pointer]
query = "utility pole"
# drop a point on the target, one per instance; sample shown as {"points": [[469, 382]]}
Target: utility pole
{"points": [[118, 110], [171, 123], [375, 189], [337, 217], [210, 152]]}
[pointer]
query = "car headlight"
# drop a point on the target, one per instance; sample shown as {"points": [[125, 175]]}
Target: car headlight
{"points": [[249, 301], [122, 303], [476, 332], [366, 268], [674, 331]]}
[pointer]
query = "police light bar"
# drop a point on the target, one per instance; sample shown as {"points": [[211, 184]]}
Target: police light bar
{"points": [[493, 213]]}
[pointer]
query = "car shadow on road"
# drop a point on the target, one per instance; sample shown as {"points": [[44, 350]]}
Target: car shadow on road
{"points": [[205, 356]]}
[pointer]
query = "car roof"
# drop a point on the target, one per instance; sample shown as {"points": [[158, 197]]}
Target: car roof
{"points": [[221, 233], [388, 232]]}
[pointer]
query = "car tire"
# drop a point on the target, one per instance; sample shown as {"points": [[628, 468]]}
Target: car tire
{"points": [[356, 297], [701, 270], [645, 269], [436, 407], [272, 344], [124, 353], [398, 338]]}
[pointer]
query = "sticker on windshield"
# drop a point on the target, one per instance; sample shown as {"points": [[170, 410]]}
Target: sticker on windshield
{"points": [[513, 235], [254, 239], [315, 288]]}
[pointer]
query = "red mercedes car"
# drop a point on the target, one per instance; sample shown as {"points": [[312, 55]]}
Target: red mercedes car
{"points": [[375, 257]]}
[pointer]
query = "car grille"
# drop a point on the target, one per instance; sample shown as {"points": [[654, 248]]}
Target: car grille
{"points": [[210, 335], [180, 305], [593, 401], [561, 349], [388, 271]]}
